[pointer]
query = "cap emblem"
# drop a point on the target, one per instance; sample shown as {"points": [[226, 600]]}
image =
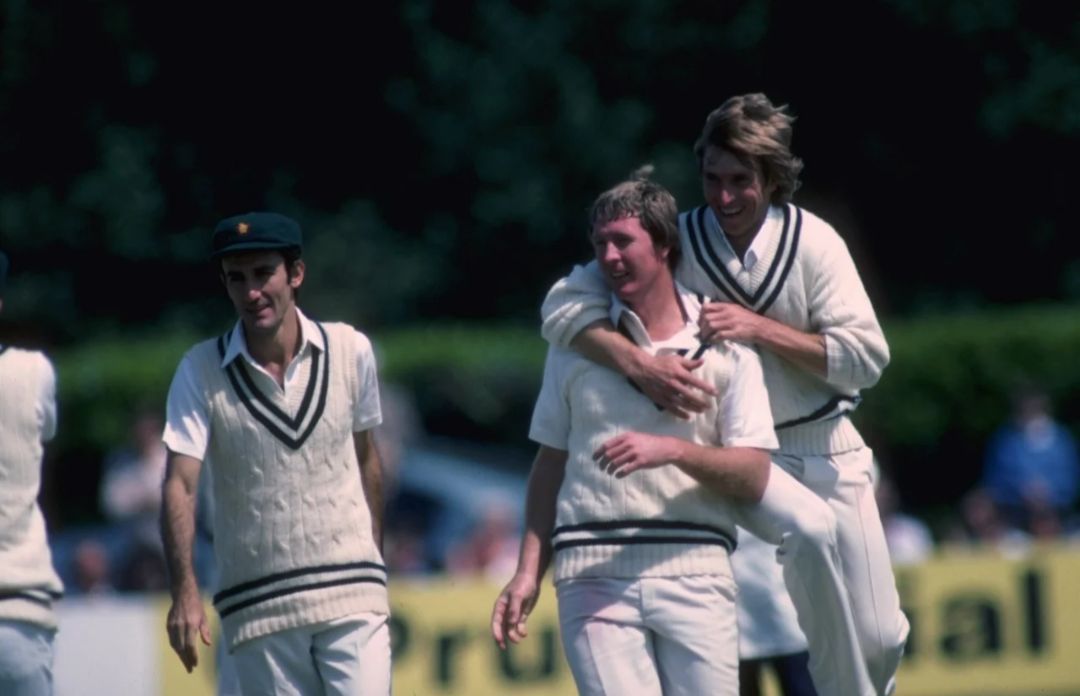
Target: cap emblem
{"points": [[243, 228]]}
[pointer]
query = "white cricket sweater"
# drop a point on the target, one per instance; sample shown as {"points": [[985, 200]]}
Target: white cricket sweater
{"points": [[656, 522], [292, 528], [805, 279], [28, 582]]}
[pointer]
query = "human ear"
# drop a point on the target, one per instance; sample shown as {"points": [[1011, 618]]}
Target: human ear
{"points": [[296, 273]]}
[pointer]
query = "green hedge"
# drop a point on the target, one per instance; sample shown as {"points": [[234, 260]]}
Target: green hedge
{"points": [[956, 372], [944, 392], [948, 387]]}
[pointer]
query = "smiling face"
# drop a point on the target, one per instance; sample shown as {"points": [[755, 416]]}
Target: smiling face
{"points": [[631, 263], [737, 194], [261, 289]]}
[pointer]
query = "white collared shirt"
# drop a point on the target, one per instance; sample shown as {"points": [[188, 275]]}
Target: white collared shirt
{"points": [[187, 426], [310, 336], [774, 220]]}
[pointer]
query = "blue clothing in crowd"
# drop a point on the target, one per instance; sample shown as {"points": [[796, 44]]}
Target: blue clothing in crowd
{"points": [[1040, 455]]}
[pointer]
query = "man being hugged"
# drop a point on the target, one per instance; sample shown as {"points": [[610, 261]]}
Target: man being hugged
{"points": [[637, 506], [281, 410], [785, 283]]}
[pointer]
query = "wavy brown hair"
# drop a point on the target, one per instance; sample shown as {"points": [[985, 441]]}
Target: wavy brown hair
{"points": [[759, 135]]}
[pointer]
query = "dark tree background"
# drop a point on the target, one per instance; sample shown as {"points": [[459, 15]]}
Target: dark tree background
{"points": [[440, 155]]}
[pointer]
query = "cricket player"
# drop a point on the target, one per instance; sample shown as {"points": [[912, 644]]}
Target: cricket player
{"points": [[784, 282], [637, 506], [281, 410]]}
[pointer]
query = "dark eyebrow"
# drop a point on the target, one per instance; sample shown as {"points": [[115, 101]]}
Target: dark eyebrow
{"points": [[261, 268], [613, 237]]}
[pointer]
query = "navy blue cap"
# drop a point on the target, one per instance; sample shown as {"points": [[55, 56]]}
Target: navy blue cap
{"points": [[255, 231], [3, 271]]}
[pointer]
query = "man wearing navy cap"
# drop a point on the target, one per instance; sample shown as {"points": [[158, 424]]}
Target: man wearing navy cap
{"points": [[28, 582], [281, 409]]}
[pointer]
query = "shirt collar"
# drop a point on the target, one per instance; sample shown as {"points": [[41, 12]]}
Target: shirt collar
{"points": [[309, 334], [625, 319], [774, 219]]}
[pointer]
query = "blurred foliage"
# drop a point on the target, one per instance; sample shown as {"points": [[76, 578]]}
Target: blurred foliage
{"points": [[947, 388], [440, 156], [1030, 58], [471, 382]]}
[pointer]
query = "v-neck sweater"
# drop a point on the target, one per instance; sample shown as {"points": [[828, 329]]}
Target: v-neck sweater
{"points": [[805, 278], [292, 528], [656, 522]]}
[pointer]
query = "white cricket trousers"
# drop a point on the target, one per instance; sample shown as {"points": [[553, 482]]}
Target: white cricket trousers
{"points": [[845, 482], [821, 513], [344, 657], [26, 659], [650, 636]]}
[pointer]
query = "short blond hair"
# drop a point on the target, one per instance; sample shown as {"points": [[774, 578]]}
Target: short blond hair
{"points": [[652, 204]]}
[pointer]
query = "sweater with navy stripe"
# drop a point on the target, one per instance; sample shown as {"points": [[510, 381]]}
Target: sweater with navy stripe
{"points": [[292, 528], [656, 522], [805, 279], [28, 582]]}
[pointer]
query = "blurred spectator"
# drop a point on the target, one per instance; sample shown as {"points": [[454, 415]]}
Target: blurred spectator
{"points": [[908, 538], [131, 486], [1031, 472], [92, 569], [143, 570], [404, 549], [131, 489], [491, 550], [130, 496], [982, 524]]}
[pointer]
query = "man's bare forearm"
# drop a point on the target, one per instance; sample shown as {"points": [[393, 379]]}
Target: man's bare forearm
{"points": [[371, 477], [806, 350], [737, 473], [178, 523], [545, 479]]}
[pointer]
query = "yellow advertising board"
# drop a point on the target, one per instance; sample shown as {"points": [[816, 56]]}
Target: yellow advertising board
{"points": [[985, 625], [982, 625], [443, 644]]}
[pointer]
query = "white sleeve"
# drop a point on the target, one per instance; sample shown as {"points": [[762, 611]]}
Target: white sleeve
{"points": [[47, 400], [573, 303], [367, 412], [855, 347], [187, 415], [745, 414], [551, 416]]}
